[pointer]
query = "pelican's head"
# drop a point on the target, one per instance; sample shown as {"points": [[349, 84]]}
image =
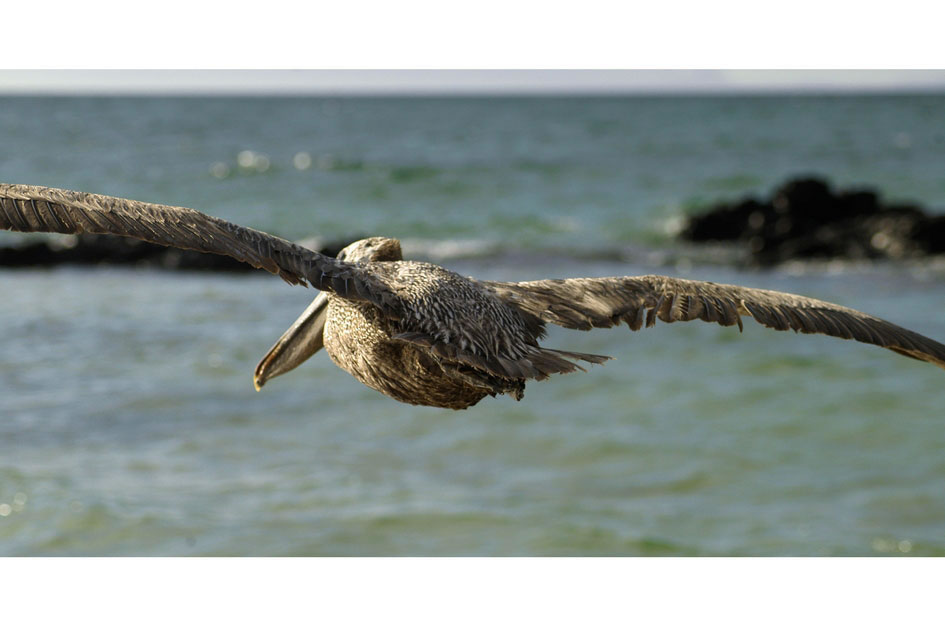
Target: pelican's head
{"points": [[374, 249]]}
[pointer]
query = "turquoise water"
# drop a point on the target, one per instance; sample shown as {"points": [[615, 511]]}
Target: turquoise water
{"points": [[128, 421]]}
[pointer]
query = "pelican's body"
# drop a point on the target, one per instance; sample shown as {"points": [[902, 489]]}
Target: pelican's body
{"points": [[360, 341], [437, 351], [425, 335]]}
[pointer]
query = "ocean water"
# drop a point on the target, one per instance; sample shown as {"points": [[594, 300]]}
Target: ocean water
{"points": [[129, 424]]}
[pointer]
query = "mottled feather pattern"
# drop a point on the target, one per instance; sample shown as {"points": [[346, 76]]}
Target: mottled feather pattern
{"points": [[362, 341], [459, 320]]}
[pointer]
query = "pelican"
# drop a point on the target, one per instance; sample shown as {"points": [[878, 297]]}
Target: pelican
{"points": [[425, 335]]}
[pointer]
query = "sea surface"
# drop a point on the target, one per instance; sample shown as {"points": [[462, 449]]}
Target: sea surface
{"points": [[128, 420]]}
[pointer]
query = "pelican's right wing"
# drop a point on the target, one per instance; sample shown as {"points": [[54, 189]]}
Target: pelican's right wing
{"points": [[40, 209], [584, 303]]}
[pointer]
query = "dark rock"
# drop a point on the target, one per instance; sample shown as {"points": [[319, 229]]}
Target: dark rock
{"points": [[931, 234], [805, 219], [727, 222], [28, 255]]}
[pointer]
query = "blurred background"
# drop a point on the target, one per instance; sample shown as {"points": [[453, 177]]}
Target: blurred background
{"points": [[128, 420]]}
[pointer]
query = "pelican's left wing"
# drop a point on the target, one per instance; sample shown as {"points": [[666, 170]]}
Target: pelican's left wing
{"points": [[40, 209], [584, 303]]}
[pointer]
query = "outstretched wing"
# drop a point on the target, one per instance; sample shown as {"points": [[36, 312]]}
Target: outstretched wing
{"points": [[584, 303], [39, 209]]}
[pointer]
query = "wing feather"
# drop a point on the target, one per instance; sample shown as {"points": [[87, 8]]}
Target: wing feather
{"points": [[40, 209], [583, 303]]}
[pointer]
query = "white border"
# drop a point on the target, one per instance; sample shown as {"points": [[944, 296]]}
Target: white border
{"points": [[472, 593], [431, 34]]}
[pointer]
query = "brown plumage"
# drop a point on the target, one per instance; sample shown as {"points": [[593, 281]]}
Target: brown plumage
{"points": [[425, 335]]}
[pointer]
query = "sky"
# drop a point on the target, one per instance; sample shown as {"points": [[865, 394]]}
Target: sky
{"points": [[460, 82]]}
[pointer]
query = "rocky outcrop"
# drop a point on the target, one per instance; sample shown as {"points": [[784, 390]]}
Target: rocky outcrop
{"points": [[805, 219]]}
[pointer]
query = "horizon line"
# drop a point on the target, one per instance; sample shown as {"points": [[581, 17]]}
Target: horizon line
{"points": [[464, 83]]}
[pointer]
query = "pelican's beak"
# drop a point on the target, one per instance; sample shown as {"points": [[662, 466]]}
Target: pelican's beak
{"points": [[303, 339]]}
